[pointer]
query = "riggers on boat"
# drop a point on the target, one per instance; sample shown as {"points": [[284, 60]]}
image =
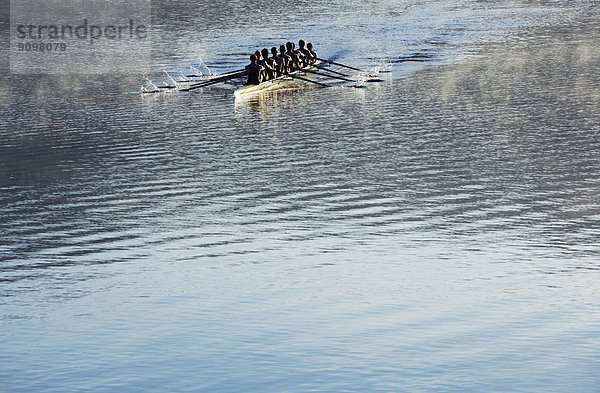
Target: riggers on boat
{"points": [[273, 83]]}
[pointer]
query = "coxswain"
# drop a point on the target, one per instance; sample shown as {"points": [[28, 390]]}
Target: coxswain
{"points": [[255, 71], [268, 64], [313, 54]]}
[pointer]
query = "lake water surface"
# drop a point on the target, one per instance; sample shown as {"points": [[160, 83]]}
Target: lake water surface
{"points": [[438, 231]]}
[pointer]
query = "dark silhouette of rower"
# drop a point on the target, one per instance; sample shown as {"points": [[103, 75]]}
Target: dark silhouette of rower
{"points": [[299, 56], [295, 63], [313, 54], [277, 61], [268, 64], [286, 60], [305, 53], [255, 71]]}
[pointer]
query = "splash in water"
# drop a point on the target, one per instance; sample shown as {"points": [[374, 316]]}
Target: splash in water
{"points": [[208, 70], [196, 71], [150, 87], [171, 79], [183, 78]]}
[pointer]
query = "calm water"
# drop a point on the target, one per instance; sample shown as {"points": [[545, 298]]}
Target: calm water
{"points": [[435, 232]]}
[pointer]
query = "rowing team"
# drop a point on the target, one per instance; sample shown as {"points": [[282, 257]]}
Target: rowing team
{"points": [[263, 68]]}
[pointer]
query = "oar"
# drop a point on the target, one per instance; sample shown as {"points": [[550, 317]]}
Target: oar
{"points": [[341, 65], [222, 78], [330, 76], [339, 73], [340, 78], [214, 81], [328, 70], [202, 84], [309, 80], [211, 77]]}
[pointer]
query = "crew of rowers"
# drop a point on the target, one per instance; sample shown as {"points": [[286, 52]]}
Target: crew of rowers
{"points": [[263, 68]]}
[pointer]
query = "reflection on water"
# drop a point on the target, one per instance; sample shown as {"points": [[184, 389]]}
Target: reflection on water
{"points": [[438, 231]]}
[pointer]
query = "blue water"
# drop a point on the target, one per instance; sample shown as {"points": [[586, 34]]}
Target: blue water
{"points": [[437, 231]]}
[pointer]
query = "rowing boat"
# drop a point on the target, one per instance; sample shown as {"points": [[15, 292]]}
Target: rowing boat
{"points": [[271, 84], [279, 82]]}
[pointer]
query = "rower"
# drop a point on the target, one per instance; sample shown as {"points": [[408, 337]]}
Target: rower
{"points": [[307, 57], [277, 61], [255, 71], [258, 56], [268, 64], [313, 54], [295, 63], [259, 61], [286, 60], [299, 55]]}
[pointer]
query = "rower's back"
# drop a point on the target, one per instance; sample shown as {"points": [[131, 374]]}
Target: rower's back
{"points": [[286, 59], [255, 72], [295, 63], [278, 62], [312, 53], [268, 64]]}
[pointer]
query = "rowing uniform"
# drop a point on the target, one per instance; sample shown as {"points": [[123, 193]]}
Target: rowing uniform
{"points": [[255, 73]]}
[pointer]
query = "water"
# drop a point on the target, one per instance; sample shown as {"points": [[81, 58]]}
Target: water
{"points": [[435, 232]]}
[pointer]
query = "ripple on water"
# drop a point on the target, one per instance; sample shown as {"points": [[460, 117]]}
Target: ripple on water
{"points": [[445, 221]]}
